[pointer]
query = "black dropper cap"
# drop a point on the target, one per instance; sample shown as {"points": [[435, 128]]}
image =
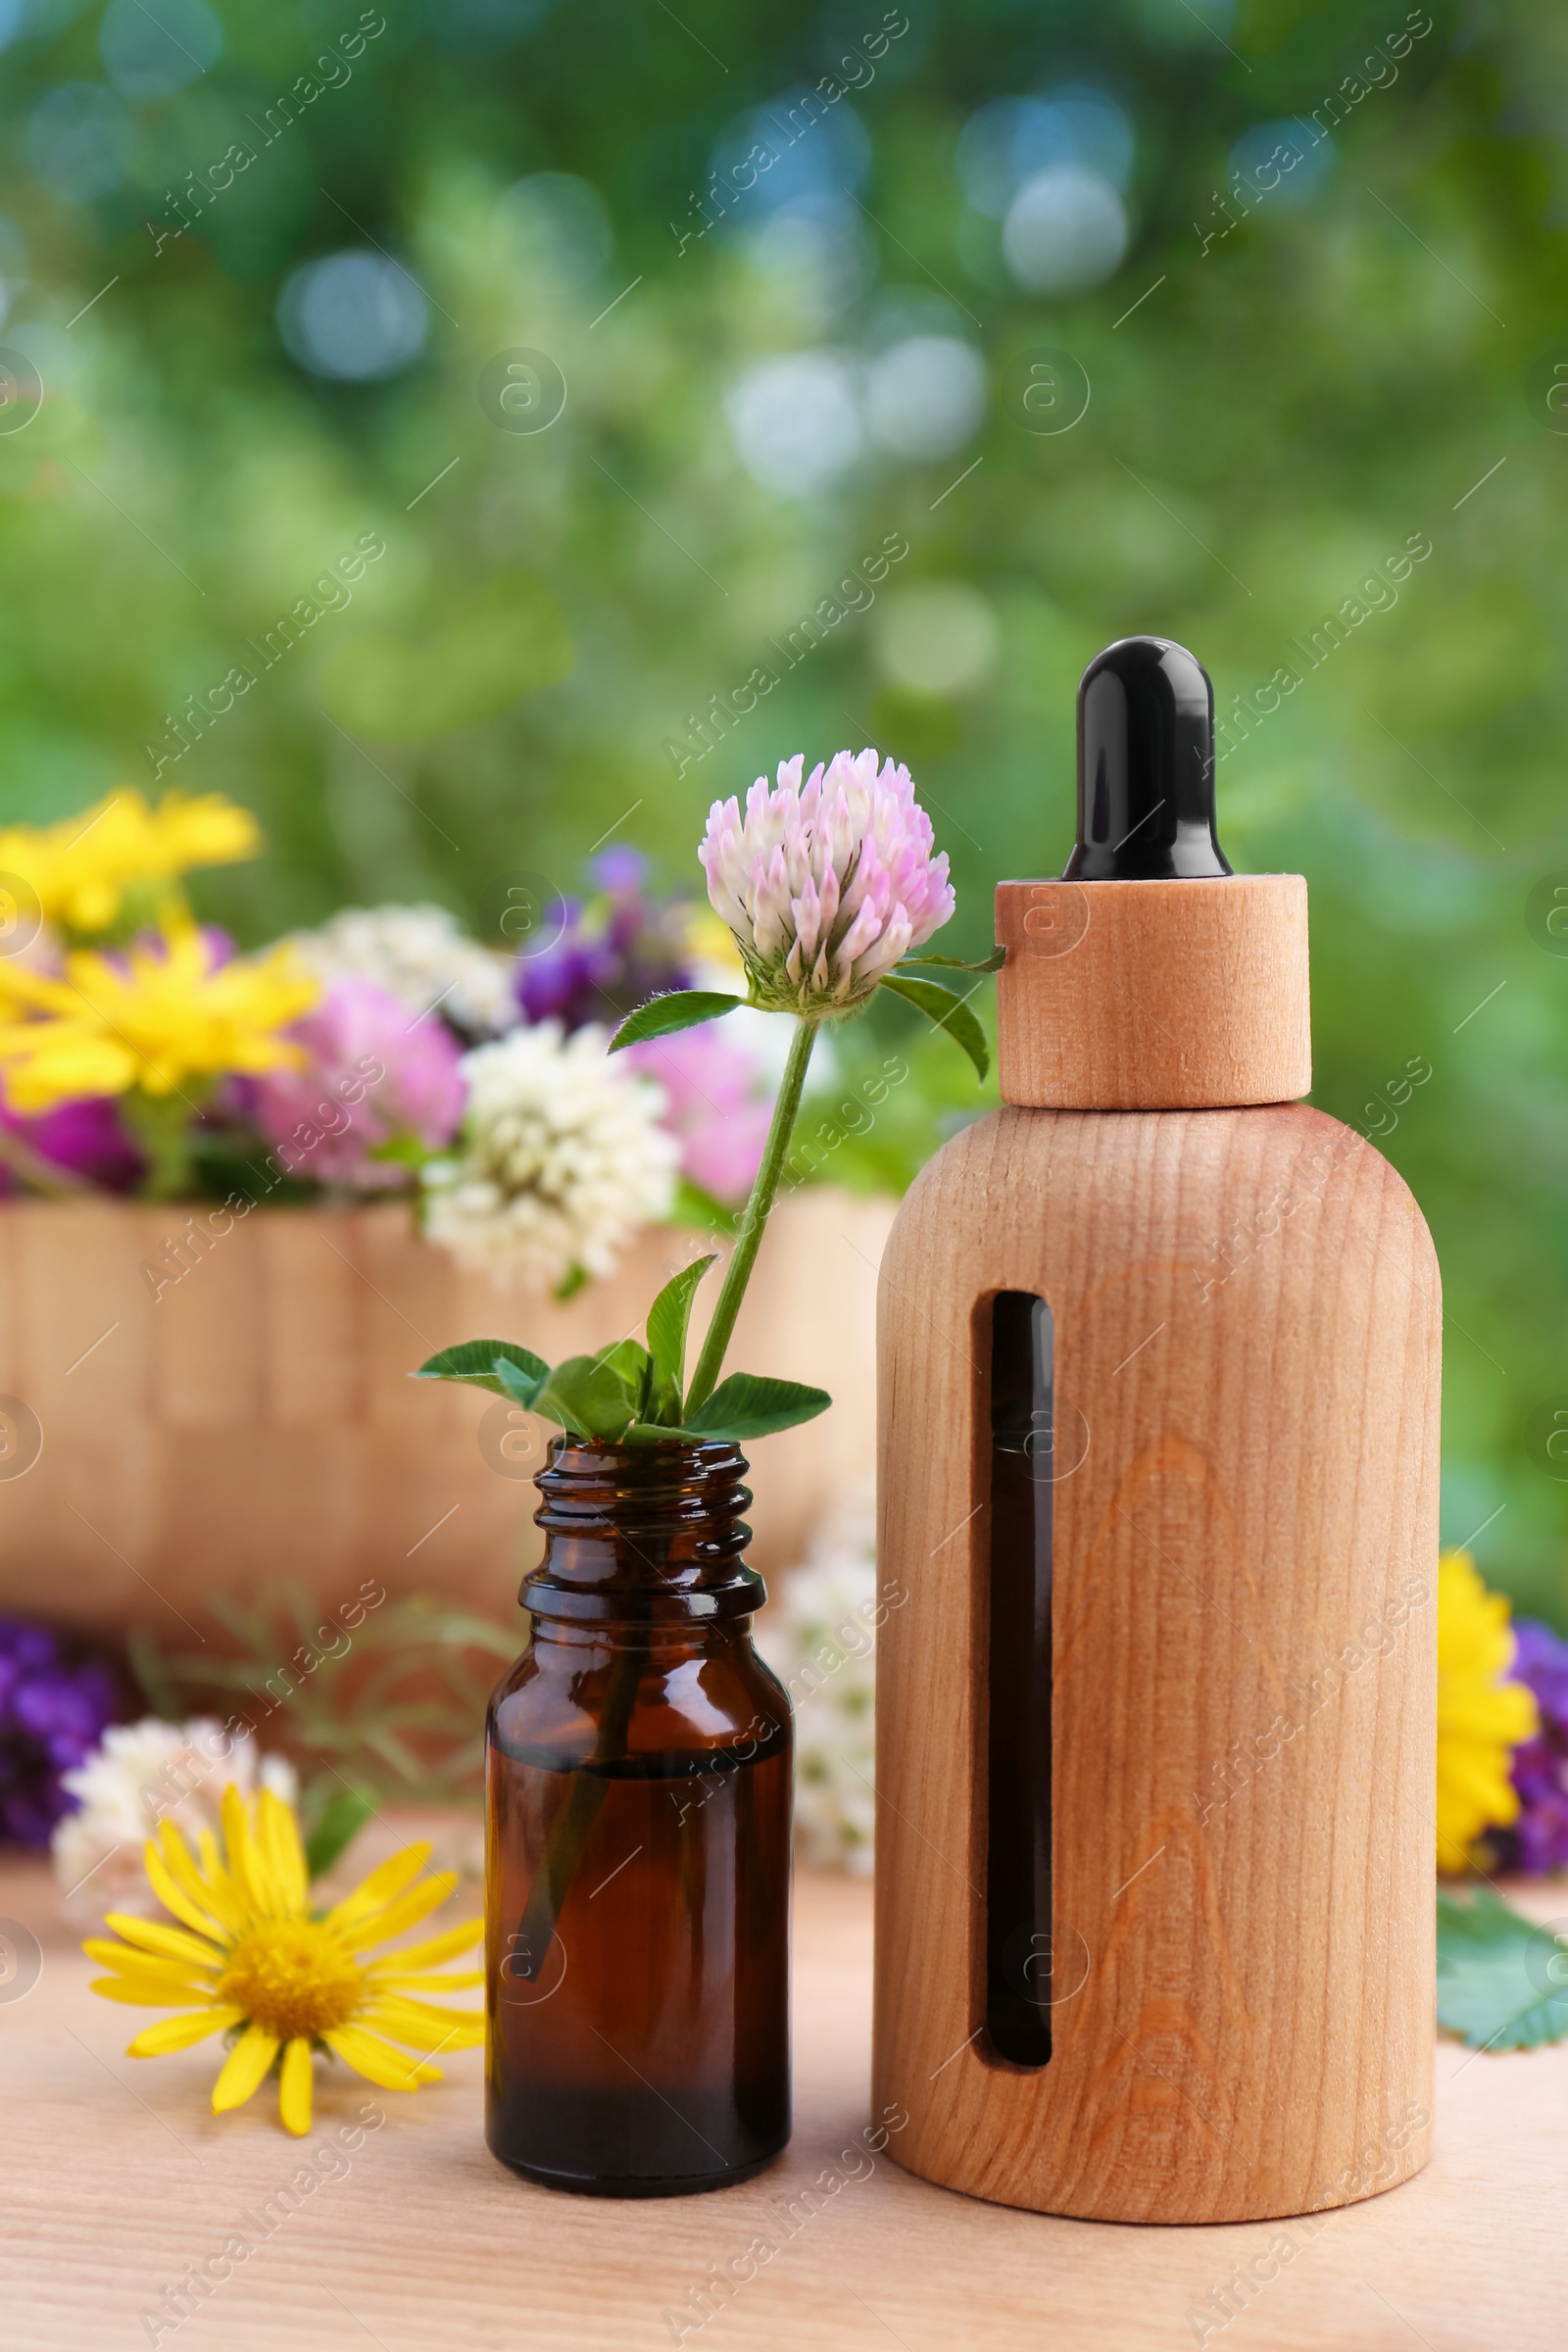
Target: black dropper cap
{"points": [[1146, 766]]}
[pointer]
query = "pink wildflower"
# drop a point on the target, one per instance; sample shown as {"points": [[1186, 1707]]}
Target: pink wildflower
{"points": [[713, 1105], [372, 1075], [825, 886]]}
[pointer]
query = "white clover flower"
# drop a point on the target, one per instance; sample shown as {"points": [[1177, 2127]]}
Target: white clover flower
{"points": [[818, 1637], [562, 1159], [420, 955], [143, 1774]]}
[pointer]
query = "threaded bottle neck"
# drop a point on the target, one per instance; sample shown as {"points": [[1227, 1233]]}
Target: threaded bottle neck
{"points": [[642, 1534]]}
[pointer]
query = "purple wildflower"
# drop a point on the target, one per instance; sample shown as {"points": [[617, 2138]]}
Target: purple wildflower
{"points": [[1538, 1841], [613, 952], [55, 1707], [84, 1136]]}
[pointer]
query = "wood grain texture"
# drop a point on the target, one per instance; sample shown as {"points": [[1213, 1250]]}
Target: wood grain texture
{"points": [[120, 2177], [1154, 995], [1247, 1349], [256, 1422]]}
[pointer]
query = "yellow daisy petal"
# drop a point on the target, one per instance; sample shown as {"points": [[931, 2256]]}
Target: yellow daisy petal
{"points": [[171, 1895], [387, 1880], [225, 1890], [432, 2012], [180, 2033], [148, 1992], [244, 2069], [430, 1981], [294, 2091], [153, 1016], [169, 1944], [245, 1866], [126, 1956], [377, 2061], [1454, 1853], [406, 1912], [207, 1888], [1478, 1777], [434, 1948], [1481, 1717], [248, 1869], [280, 1841], [423, 2027]]}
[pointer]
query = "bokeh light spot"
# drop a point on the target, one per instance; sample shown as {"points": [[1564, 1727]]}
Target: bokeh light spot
{"points": [[1065, 229], [926, 396], [151, 53], [78, 141], [353, 315], [795, 423]]}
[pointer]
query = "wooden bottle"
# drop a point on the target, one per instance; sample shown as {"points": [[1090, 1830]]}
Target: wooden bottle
{"points": [[1158, 1379]]}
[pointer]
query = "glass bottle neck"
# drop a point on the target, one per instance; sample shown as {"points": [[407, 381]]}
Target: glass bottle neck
{"points": [[574, 1644], [642, 1534]]}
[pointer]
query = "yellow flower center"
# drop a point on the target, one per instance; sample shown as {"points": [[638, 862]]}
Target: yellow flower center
{"points": [[293, 1977]]}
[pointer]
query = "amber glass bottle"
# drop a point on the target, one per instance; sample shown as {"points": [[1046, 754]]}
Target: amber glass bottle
{"points": [[638, 1852]]}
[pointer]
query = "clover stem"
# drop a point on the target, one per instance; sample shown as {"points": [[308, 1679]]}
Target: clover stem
{"points": [[749, 1233], [586, 1791]]}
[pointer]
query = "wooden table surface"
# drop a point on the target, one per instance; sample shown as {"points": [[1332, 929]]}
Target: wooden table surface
{"points": [[117, 2176]]}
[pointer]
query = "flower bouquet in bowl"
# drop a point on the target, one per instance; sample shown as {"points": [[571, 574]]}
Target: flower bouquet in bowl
{"points": [[385, 1053], [639, 1752], [206, 1145]]}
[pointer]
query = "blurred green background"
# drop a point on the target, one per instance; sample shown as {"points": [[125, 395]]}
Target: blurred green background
{"points": [[1303, 264]]}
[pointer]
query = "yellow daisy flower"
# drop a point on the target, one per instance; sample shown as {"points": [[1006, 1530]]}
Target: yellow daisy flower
{"points": [[253, 1958], [153, 1017], [81, 866], [1481, 1717]]}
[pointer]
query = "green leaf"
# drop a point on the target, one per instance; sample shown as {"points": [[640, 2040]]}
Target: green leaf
{"points": [[660, 1016], [946, 1011], [574, 1279], [405, 1152], [511, 1382], [631, 1363], [589, 1399], [1503, 1982], [747, 1405], [476, 1362], [339, 1820], [667, 1321], [955, 963]]}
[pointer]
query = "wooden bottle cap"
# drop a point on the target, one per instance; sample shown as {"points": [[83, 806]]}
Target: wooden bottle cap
{"points": [[1169, 995]]}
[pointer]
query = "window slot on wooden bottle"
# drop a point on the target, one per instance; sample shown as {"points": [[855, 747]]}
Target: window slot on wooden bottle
{"points": [[1018, 1962]]}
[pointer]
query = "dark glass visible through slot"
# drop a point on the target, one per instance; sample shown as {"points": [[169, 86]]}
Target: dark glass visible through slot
{"points": [[1018, 1962]]}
